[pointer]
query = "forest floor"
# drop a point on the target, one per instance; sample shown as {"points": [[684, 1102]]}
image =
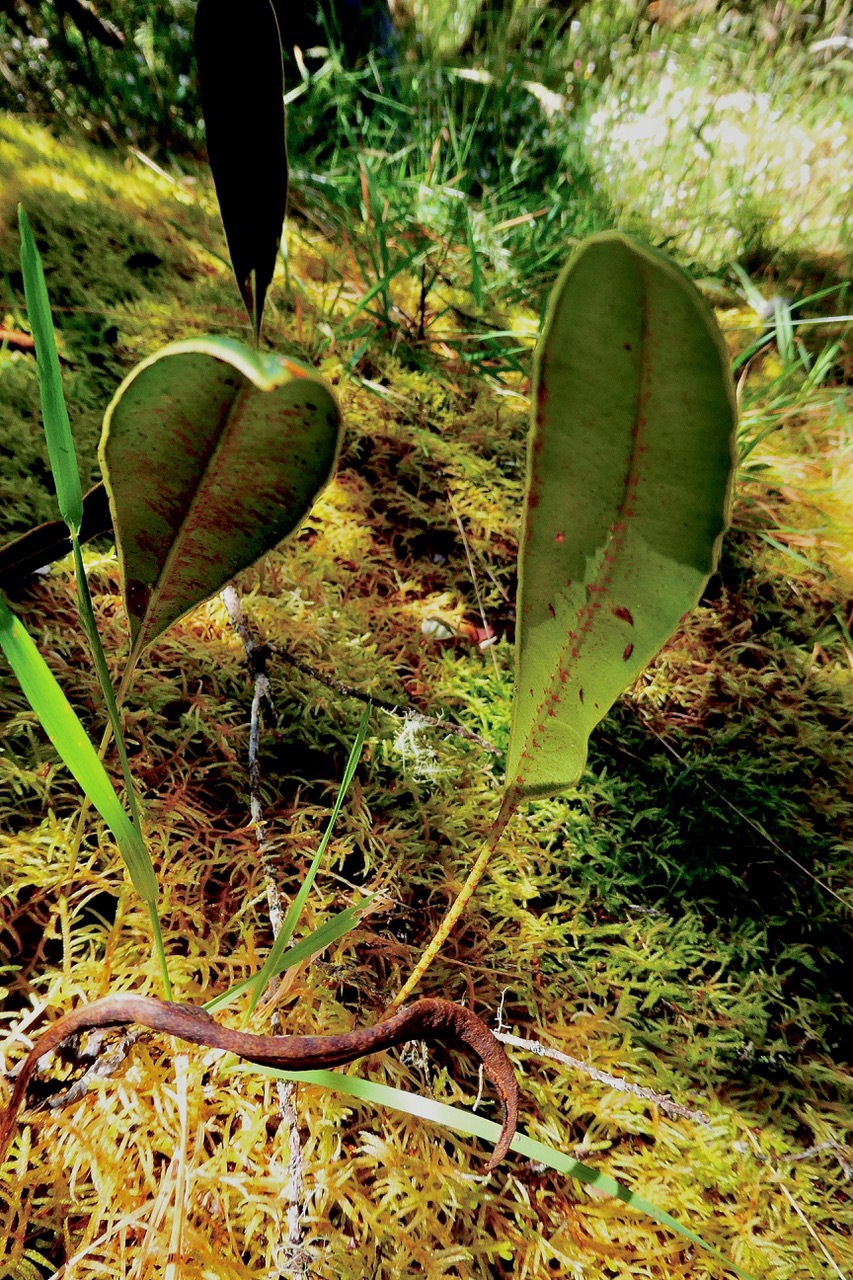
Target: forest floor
{"points": [[682, 920]]}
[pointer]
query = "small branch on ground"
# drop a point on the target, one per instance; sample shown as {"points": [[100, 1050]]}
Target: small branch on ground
{"points": [[662, 1100], [390, 708], [256, 657], [294, 1259]]}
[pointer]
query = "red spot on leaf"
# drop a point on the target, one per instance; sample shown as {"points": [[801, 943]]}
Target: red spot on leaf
{"points": [[624, 614], [559, 537], [552, 610], [629, 649], [580, 694]]}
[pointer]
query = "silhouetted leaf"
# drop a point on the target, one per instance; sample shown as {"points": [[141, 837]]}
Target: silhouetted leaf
{"points": [[238, 52]]}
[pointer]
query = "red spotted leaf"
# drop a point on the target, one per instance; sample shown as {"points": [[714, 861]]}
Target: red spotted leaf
{"points": [[629, 474], [211, 454]]}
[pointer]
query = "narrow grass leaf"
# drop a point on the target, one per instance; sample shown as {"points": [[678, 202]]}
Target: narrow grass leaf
{"points": [[66, 473], [477, 1126], [57, 428], [62, 726], [90, 628], [476, 276], [341, 923], [273, 961], [379, 287]]}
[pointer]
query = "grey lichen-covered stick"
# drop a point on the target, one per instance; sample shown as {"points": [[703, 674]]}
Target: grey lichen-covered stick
{"points": [[435, 1021]]}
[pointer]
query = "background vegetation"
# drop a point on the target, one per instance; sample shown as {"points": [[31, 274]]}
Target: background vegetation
{"points": [[683, 920]]}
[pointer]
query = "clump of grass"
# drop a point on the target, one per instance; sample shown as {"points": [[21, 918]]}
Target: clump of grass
{"points": [[724, 163]]}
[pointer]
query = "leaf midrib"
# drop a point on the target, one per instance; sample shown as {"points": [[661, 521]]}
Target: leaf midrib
{"points": [[605, 575], [162, 579]]}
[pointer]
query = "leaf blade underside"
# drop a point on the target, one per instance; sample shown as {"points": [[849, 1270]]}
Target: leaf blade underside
{"points": [[629, 475], [212, 454]]}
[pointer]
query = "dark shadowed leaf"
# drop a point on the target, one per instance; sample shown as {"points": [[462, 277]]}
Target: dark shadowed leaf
{"points": [[211, 455], [629, 471], [238, 52], [51, 541]]}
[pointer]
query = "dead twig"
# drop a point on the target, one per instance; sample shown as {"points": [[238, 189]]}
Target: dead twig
{"points": [[401, 712], [294, 1260], [662, 1100]]}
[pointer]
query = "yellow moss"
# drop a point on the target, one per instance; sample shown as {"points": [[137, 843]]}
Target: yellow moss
{"points": [[602, 919]]}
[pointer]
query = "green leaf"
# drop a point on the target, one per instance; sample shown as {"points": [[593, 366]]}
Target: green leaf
{"points": [[211, 454], [57, 429], [60, 723], [629, 473], [478, 1126], [238, 53]]}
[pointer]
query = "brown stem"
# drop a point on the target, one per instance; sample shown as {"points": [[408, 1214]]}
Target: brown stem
{"points": [[436, 1021]]}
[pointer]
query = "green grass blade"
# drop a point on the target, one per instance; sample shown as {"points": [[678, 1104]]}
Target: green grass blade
{"points": [[62, 726], [340, 923], [66, 475], [477, 1126], [273, 960], [476, 277], [60, 446], [379, 287]]}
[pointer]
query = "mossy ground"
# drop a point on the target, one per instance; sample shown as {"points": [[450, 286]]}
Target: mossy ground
{"points": [[682, 920]]}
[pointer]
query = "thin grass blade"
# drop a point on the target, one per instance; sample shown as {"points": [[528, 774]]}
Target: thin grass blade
{"points": [[57, 428], [476, 276], [90, 628], [341, 923], [273, 961], [62, 726], [379, 287], [477, 1126]]}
